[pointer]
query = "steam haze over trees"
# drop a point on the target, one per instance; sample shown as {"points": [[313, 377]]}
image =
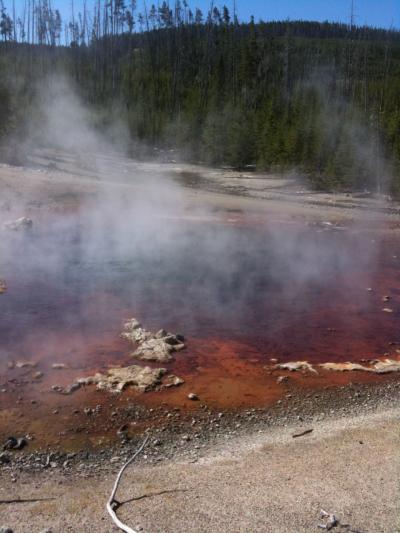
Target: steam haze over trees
{"points": [[322, 99]]}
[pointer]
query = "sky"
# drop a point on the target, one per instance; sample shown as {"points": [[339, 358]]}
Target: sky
{"points": [[383, 13]]}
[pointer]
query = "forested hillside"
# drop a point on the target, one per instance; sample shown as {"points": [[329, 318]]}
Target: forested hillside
{"points": [[317, 98]]}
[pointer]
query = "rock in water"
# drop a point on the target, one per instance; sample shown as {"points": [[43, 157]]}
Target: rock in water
{"points": [[3, 286], [386, 366], [22, 223], [133, 332], [154, 350], [383, 366], [192, 396], [152, 347], [172, 381], [296, 365], [142, 378], [345, 367], [157, 346]]}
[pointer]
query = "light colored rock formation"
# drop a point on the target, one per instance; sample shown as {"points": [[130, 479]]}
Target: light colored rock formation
{"points": [[296, 365], [345, 367], [119, 378], [134, 333], [22, 223], [387, 365], [377, 366], [142, 378], [154, 350], [152, 346], [22, 364], [172, 381]]}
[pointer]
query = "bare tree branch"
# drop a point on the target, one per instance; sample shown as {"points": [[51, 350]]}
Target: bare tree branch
{"points": [[113, 504]]}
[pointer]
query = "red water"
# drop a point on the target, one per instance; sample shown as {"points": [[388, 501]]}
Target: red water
{"points": [[241, 294]]}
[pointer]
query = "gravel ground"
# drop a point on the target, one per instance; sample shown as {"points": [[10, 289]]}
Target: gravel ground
{"points": [[262, 480], [236, 472]]}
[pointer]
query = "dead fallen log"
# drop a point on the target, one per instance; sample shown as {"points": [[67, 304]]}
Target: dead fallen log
{"points": [[113, 503]]}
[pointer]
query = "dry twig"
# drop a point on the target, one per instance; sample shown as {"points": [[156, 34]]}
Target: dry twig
{"points": [[113, 504], [305, 432]]}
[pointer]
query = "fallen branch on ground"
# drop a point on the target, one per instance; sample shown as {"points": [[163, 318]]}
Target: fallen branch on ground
{"points": [[305, 432], [113, 504]]}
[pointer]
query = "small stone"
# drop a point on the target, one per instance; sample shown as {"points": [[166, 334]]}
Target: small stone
{"points": [[192, 396], [6, 530], [4, 458], [122, 431], [14, 443], [25, 364], [72, 388], [172, 381], [282, 379]]}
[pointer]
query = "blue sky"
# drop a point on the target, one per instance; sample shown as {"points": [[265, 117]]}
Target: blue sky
{"points": [[372, 12]]}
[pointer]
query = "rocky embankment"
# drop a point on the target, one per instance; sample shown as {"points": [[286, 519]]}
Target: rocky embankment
{"points": [[176, 432]]}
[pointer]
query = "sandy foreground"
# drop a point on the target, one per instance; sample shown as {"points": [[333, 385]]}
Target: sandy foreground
{"points": [[267, 481]]}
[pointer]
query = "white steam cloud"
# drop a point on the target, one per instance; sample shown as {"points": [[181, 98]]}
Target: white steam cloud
{"points": [[138, 246]]}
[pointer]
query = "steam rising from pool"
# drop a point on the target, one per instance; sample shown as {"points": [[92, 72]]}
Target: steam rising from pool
{"points": [[139, 248]]}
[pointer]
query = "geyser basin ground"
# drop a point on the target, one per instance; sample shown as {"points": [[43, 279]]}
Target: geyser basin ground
{"points": [[246, 283]]}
